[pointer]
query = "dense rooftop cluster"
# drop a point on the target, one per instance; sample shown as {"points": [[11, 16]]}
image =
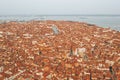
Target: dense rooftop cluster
{"points": [[58, 50]]}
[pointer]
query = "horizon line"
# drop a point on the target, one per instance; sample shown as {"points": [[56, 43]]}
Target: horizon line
{"points": [[59, 14]]}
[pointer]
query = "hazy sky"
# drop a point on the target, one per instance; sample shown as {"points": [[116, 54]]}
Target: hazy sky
{"points": [[51, 7]]}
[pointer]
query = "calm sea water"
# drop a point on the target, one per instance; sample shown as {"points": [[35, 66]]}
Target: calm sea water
{"points": [[101, 20]]}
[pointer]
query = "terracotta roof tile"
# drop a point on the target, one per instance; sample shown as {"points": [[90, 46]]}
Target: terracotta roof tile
{"points": [[32, 50]]}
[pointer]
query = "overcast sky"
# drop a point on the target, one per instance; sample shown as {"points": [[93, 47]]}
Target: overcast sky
{"points": [[51, 7]]}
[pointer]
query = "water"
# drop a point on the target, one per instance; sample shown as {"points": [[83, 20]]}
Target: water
{"points": [[112, 21]]}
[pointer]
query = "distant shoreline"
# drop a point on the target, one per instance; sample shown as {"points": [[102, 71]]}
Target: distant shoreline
{"points": [[106, 21], [62, 15], [8, 21]]}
